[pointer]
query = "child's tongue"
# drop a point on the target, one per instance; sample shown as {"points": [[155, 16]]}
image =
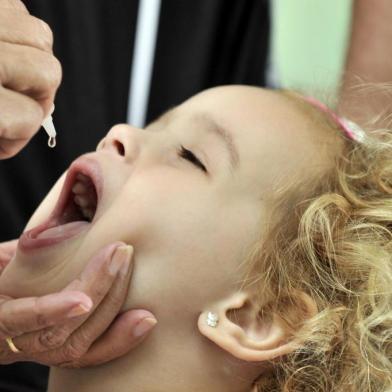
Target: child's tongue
{"points": [[67, 230], [72, 215], [78, 209]]}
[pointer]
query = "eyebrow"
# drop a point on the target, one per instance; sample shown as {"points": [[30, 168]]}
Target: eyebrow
{"points": [[211, 126], [208, 124]]}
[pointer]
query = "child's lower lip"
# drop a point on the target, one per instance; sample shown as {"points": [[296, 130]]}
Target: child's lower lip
{"points": [[47, 234]]}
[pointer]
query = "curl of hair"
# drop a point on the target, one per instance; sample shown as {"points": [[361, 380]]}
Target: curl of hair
{"points": [[331, 237]]}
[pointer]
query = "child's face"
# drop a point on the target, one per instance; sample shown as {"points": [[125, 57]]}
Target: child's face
{"points": [[190, 229]]}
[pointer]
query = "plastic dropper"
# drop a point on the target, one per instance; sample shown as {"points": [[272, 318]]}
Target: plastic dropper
{"points": [[50, 130]]}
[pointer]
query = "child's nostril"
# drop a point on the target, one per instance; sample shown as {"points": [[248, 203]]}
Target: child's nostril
{"points": [[119, 147]]}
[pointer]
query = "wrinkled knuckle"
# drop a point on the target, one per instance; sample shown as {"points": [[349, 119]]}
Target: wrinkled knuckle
{"points": [[73, 353], [50, 339], [81, 339]]}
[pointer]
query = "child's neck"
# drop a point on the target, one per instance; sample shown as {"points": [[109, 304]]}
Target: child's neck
{"points": [[173, 362]]}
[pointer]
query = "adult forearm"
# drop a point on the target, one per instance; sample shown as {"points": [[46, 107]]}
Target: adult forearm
{"points": [[369, 57]]}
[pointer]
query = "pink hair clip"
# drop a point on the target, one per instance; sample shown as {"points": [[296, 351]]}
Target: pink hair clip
{"points": [[352, 130]]}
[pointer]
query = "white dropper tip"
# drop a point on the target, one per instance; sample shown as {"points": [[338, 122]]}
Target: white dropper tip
{"points": [[49, 128]]}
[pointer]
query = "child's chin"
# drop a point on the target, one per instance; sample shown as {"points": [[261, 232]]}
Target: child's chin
{"points": [[18, 281], [40, 272]]}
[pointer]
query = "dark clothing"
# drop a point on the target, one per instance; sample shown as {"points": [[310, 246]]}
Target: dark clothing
{"points": [[200, 44]]}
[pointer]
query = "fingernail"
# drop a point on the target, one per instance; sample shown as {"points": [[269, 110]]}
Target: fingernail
{"points": [[79, 310], [144, 326], [121, 260]]}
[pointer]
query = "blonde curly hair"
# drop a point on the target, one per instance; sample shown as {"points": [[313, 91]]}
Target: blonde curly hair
{"points": [[331, 237]]}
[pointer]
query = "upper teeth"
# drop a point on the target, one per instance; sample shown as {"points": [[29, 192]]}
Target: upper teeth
{"points": [[79, 187], [82, 198], [81, 201]]}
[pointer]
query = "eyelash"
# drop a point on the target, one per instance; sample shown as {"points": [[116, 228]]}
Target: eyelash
{"points": [[191, 157]]}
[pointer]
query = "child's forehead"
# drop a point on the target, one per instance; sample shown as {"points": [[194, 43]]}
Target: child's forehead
{"points": [[256, 119], [241, 108], [274, 137], [266, 130]]}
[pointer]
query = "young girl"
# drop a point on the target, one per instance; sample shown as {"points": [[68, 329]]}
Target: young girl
{"points": [[261, 228]]}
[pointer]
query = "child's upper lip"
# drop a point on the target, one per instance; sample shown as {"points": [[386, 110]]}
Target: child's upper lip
{"points": [[85, 165]]}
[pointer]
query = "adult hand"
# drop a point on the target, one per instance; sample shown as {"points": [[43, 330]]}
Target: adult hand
{"points": [[29, 75], [75, 327], [7, 251]]}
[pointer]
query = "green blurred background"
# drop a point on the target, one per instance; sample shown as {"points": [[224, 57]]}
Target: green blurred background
{"points": [[309, 44]]}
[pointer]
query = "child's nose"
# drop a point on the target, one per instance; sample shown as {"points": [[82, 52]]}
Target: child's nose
{"points": [[122, 140]]}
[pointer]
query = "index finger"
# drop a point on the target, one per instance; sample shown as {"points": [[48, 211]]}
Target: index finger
{"points": [[95, 281], [21, 315], [98, 277]]}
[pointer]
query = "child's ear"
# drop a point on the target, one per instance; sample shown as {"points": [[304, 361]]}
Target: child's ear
{"points": [[248, 333]]}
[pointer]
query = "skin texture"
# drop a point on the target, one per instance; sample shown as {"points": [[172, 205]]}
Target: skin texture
{"points": [[29, 75], [368, 61], [79, 325], [190, 230]]}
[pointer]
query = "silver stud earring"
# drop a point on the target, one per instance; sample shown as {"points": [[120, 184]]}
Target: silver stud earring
{"points": [[212, 319]]}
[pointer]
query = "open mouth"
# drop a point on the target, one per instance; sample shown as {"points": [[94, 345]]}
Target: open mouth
{"points": [[75, 209], [81, 201]]}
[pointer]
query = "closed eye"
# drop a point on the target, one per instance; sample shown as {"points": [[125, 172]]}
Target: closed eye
{"points": [[191, 157]]}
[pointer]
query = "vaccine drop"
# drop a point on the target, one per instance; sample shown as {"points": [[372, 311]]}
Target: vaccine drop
{"points": [[50, 130], [52, 141]]}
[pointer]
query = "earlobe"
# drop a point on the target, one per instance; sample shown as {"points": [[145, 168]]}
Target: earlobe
{"points": [[237, 325]]}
